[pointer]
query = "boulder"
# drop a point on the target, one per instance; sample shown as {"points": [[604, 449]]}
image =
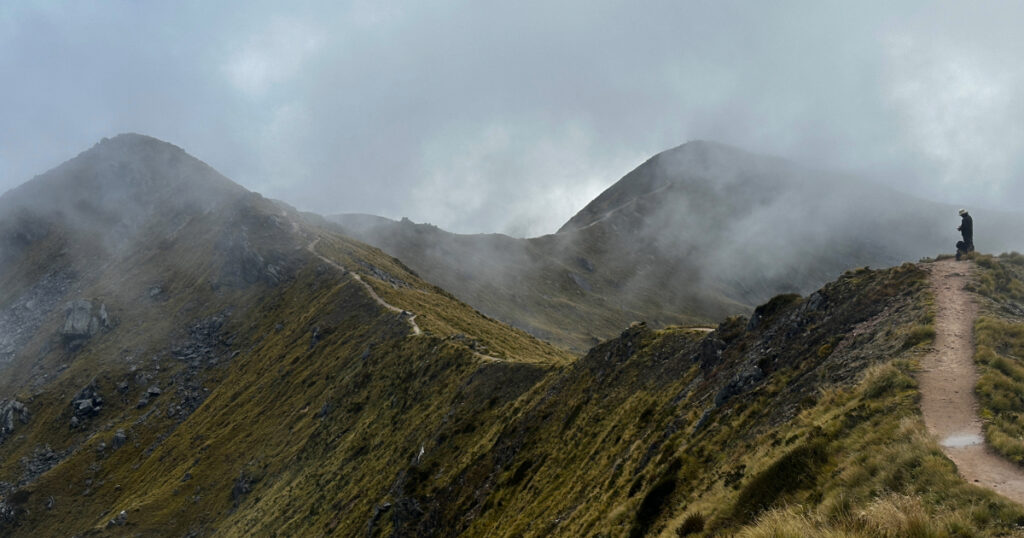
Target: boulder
{"points": [[81, 322], [12, 412], [104, 318], [86, 404], [120, 438], [78, 320], [84, 407]]}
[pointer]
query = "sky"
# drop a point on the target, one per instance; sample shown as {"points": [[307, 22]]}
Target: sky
{"points": [[509, 117]]}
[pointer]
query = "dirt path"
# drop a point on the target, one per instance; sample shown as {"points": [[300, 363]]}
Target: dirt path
{"points": [[409, 316], [947, 387]]}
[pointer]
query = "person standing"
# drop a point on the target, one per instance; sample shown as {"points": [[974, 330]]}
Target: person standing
{"points": [[967, 232]]}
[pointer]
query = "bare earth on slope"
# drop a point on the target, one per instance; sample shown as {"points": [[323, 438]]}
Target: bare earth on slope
{"points": [[947, 380]]}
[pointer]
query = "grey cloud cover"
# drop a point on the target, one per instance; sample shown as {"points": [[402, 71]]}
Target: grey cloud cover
{"points": [[487, 116]]}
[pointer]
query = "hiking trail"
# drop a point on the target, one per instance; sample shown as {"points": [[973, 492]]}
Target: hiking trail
{"points": [[947, 381], [409, 316]]}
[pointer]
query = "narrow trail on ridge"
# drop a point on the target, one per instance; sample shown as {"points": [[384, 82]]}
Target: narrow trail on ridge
{"points": [[409, 316], [947, 382]]}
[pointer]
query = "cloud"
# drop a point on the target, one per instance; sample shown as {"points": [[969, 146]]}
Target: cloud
{"points": [[960, 112], [505, 117], [272, 55], [490, 170]]}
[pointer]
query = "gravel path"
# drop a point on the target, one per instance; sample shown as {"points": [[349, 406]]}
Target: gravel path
{"points": [[947, 381]]}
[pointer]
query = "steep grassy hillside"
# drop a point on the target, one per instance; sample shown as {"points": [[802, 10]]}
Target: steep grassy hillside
{"points": [[166, 374], [805, 418], [694, 234], [249, 372]]}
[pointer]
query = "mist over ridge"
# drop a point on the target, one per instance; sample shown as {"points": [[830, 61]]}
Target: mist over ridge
{"points": [[548, 269], [694, 233], [163, 328]]}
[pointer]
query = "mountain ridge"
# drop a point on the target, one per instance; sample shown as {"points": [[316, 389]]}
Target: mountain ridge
{"points": [[695, 233], [254, 372]]}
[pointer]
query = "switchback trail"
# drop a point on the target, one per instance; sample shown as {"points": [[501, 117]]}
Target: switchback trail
{"points": [[947, 380]]}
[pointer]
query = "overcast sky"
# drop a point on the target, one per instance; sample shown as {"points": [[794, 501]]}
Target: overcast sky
{"points": [[510, 116]]}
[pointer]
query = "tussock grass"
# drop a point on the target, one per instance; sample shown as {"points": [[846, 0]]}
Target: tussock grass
{"points": [[693, 524], [999, 340], [1000, 278], [919, 334], [883, 475], [1000, 387]]}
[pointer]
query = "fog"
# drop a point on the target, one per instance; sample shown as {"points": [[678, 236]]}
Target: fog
{"points": [[696, 233], [482, 118]]}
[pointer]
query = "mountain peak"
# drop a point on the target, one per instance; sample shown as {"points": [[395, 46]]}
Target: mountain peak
{"points": [[695, 165], [129, 168], [119, 185], [128, 144]]}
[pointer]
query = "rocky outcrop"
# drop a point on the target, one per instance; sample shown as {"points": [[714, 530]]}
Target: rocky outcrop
{"points": [[383, 275], [82, 321], [87, 404], [9, 513], [710, 353], [12, 412], [739, 384], [20, 320], [252, 251], [42, 459], [151, 392], [206, 343]]}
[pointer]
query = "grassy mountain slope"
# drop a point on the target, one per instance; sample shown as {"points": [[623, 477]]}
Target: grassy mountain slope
{"points": [[810, 410], [546, 286], [209, 354], [696, 233], [232, 376]]}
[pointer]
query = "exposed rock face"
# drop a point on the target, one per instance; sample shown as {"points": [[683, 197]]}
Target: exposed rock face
{"points": [[79, 321], [741, 383], [26, 314], [82, 323], [710, 353], [11, 413], [9, 514], [206, 342], [247, 258]]}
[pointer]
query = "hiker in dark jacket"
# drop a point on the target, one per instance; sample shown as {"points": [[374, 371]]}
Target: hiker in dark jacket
{"points": [[967, 231]]}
